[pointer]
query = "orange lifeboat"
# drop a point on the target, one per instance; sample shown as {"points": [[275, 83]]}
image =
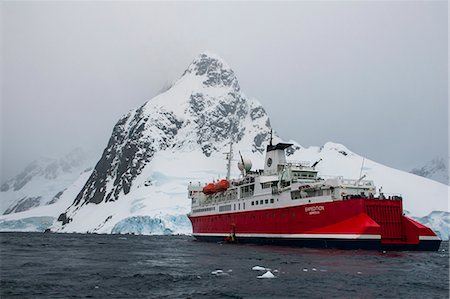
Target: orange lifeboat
{"points": [[221, 185], [209, 189]]}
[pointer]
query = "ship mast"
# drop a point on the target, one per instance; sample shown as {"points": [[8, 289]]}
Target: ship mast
{"points": [[229, 157]]}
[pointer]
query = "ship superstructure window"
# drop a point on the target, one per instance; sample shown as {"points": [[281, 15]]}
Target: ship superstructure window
{"points": [[204, 210], [247, 190], [266, 201], [271, 200], [266, 185], [285, 183], [261, 202], [225, 208], [295, 194]]}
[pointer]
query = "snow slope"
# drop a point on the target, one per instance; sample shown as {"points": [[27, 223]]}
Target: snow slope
{"points": [[42, 182]]}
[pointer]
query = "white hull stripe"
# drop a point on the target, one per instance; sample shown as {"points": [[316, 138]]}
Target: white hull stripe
{"points": [[429, 238], [295, 236]]}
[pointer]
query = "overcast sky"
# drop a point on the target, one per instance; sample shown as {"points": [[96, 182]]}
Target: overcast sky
{"points": [[370, 75]]}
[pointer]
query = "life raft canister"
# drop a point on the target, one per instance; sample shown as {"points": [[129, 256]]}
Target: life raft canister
{"points": [[209, 189], [222, 185], [212, 188]]}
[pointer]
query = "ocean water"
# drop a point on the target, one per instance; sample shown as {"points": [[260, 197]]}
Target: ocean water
{"points": [[37, 265]]}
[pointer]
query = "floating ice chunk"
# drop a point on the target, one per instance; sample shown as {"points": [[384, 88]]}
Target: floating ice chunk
{"points": [[219, 273], [323, 270], [314, 269], [276, 271], [359, 272], [258, 268], [230, 270], [305, 270], [268, 274]]}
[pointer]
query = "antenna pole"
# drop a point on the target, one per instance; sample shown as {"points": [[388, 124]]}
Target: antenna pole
{"points": [[243, 165], [362, 166], [270, 137]]}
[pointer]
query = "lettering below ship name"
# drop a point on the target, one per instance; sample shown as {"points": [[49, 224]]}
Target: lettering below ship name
{"points": [[314, 210]]}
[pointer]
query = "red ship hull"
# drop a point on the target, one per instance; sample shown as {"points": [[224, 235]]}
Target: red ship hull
{"points": [[354, 223]]}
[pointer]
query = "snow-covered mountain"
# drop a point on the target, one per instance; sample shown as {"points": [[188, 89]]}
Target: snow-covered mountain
{"points": [[139, 185], [42, 182], [436, 169], [195, 119]]}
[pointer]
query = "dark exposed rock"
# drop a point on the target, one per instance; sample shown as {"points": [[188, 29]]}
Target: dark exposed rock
{"points": [[24, 204], [257, 112], [64, 219], [216, 72], [56, 197], [258, 141], [344, 153]]}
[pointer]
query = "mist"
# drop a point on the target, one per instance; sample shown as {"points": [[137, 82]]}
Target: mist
{"points": [[370, 75]]}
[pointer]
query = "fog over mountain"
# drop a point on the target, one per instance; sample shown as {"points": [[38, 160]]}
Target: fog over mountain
{"points": [[370, 75]]}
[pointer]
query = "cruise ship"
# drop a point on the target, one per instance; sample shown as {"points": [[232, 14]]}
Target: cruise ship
{"points": [[288, 203]]}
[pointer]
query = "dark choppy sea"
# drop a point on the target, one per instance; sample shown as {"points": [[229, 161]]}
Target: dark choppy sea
{"points": [[36, 265]]}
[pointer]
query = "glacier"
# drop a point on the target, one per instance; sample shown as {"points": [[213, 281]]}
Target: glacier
{"points": [[145, 225], [30, 224]]}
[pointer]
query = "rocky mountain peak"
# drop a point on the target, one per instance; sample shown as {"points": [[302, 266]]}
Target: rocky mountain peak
{"points": [[215, 71], [203, 111]]}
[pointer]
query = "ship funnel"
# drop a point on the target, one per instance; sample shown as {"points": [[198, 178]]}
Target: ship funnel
{"points": [[275, 158]]}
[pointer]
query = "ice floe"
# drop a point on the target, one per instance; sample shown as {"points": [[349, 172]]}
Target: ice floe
{"points": [[268, 274], [258, 268], [219, 273]]}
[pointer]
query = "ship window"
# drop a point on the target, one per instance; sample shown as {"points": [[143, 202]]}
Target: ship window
{"points": [[256, 202], [261, 202], [239, 206], [247, 190], [271, 200], [295, 194], [266, 201], [266, 185], [253, 203], [243, 206]]}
